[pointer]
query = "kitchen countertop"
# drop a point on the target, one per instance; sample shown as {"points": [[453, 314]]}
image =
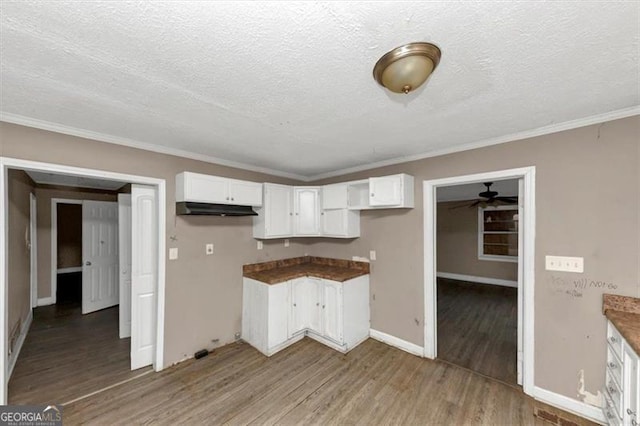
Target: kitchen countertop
{"points": [[624, 314], [279, 271]]}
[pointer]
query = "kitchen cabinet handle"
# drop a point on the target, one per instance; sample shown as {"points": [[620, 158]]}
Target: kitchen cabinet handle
{"points": [[88, 263], [227, 198], [633, 422], [613, 339], [612, 365], [297, 214], [322, 306], [373, 195], [233, 199], [318, 304], [609, 415], [631, 413], [294, 305], [290, 214], [612, 390]]}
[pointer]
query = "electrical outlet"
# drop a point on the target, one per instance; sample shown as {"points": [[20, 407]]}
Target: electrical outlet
{"points": [[260, 245], [173, 253], [286, 242], [209, 248], [372, 255], [564, 264]]}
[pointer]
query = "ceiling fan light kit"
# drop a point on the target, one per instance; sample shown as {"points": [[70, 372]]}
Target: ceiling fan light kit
{"points": [[407, 67]]}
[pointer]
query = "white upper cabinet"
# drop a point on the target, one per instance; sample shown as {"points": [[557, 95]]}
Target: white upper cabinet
{"points": [[335, 196], [340, 223], [307, 211], [201, 188], [274, 219], [391, 191]]}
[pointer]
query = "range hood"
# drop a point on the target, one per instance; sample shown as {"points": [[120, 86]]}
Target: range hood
{"points": [[202, 209]]}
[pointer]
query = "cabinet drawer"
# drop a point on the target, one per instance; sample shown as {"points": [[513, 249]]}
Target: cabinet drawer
{"points": [[614, 392], [615, 340], [610, 413], [614, 365]]}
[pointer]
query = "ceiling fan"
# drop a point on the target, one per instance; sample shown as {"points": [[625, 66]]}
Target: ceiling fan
{"points": [[490, 198]]}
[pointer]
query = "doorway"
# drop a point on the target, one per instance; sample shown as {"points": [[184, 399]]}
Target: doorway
{"points": [[525, 274], [148, 228], [476, 277]]}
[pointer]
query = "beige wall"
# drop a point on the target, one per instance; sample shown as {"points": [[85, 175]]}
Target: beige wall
{"points": [[587, 195], [457, 245], [19, 266], [44, 194], [203, 293], [69, 236]]}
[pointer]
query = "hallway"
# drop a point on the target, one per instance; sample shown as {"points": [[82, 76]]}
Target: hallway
{"points": [[67, 355]]}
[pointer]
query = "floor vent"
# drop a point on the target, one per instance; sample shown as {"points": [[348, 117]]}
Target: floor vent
{"points": [[553, 418]]}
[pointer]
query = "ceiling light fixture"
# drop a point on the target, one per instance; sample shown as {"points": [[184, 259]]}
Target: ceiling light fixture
{"points": [[405, 68]]}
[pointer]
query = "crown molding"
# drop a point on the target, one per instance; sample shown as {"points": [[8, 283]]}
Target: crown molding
{"points": [[540, 131], [102, 137]]}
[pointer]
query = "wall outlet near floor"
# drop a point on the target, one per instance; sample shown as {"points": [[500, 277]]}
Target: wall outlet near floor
{"points": [[286, 242], [564, 264], [209, 249], [260, 245], [372, 254], [173, 253]]}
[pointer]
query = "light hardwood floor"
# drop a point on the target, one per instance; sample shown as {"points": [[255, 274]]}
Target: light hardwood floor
{"points": [[67, 355], [478, 327], [309, 383]]}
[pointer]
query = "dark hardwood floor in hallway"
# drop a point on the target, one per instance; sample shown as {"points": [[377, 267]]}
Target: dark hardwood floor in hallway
{"points": [[67, 355], [310, 384], [478, 327]]}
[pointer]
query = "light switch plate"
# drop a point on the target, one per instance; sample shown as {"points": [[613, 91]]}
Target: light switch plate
{"points": [[260, 245], [372, 254], [286, 242], [209, 248], [173, 253], [564, 264]]}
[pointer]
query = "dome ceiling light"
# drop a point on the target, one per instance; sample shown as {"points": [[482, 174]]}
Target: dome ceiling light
{"points": [[405, 68]]}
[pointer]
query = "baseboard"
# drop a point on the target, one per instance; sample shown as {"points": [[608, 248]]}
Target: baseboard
{"points": [[45, 301], [474, 279], [23, 335], [69, 270], [390, 340], [571, 405]]}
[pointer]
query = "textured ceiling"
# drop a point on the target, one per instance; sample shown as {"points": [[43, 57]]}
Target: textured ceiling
{"points": [[74, 181], [287, 86]]}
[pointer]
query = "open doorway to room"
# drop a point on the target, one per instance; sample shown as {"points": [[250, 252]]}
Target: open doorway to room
{"points": [[92, 230], [477, 277], [479, 269]]}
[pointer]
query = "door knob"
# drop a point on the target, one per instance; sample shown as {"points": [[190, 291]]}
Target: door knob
{"points": [[87, 263]]}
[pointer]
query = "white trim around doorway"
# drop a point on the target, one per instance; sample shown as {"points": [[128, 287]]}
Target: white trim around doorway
{"points": [[527, 257], [7, 163]]}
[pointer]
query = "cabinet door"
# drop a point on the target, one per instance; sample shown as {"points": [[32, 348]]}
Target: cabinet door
{"points": [[245, 193], [205, 189], [307, 211], [299, 313], [631, 382], [278, 314], [278, 210], [335, 196], [314, 301], [334, 222], [385, 191], [332, 310]]}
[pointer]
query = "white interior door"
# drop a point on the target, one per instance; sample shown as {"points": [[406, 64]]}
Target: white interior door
{"points": [[100, 255], [33, 249], [124, 261], [521, 214], [144, 275]]}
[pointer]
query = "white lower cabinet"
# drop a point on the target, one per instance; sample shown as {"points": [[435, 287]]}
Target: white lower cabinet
{"points": [[277, 315], [622, 381]]}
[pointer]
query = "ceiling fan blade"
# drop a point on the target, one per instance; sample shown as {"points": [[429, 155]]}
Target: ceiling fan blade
{"points": [[512, 200]]}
